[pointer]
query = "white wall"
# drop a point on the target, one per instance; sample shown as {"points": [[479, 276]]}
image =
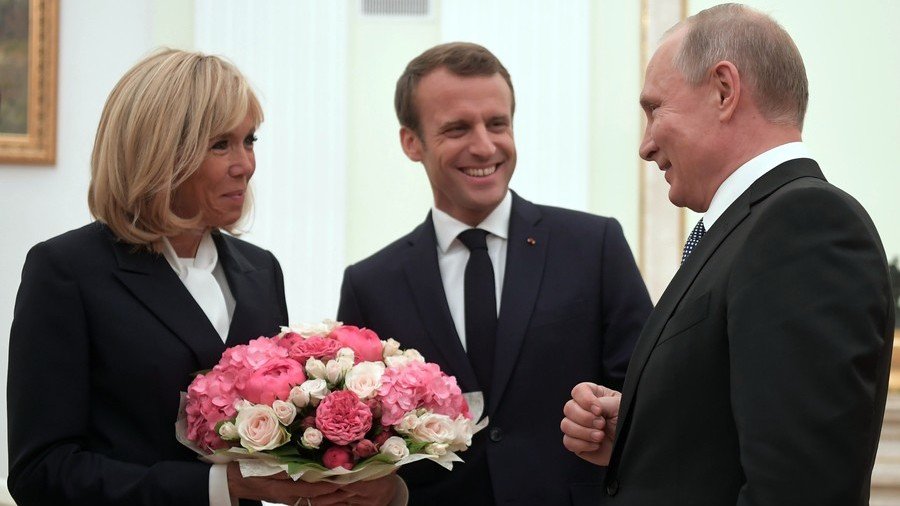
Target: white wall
{"points": [[852, 55], [98, 40], [387, 195]]}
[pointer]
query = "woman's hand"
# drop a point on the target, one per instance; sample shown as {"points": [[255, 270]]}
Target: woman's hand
{"points": [[280, 488]]}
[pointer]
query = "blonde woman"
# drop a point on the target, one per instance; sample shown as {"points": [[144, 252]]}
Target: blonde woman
{"points": [[111, 319]]}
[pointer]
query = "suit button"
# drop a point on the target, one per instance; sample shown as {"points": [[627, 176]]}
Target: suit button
{"points": [[613, 487], [496, 434]]}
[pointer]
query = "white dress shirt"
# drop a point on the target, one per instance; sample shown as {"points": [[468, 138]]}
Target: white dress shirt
{"points": [[205, 280], [747, 174], [453, 256]]}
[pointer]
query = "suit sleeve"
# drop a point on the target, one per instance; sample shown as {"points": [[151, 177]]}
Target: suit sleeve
{"points": [[808, 305], [626, 305], [279, 287], [348, 309], [49, 396]]}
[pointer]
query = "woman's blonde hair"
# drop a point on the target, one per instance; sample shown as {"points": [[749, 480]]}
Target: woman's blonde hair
{"points": [[154, 134]]}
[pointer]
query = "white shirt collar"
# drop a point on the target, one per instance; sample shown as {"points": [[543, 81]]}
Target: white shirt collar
{"points": [[446, 227], [745, 175], [206, 258]]}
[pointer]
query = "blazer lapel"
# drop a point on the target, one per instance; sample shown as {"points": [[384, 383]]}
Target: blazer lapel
{"points": [[424, 277], [526, 252], [684, 277], [244, 281], [150, 278]]}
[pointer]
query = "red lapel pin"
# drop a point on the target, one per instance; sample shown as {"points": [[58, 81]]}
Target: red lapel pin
{"points": [[531, 241]]}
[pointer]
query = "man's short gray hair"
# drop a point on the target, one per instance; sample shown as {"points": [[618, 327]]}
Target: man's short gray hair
{"points": [[763, 52]]}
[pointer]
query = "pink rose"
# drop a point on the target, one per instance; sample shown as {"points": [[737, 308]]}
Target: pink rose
{"points": [[374, 406], [273, 380], [386, 432], [364, 343], [343, 418], [364, 449], [338, 456], [302, 349]]}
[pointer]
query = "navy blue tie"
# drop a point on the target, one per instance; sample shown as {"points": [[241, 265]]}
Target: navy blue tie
{"points": [[480, 307], [693, 239]]}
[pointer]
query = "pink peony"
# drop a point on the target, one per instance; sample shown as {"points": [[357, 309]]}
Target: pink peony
{"points": [[364, 343], [248, 357], [419, 385], [273, 380], [343, 418], [338, 456], [302, 349]]}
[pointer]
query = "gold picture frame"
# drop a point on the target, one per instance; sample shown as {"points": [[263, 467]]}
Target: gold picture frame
{"points": [[28, 59]]}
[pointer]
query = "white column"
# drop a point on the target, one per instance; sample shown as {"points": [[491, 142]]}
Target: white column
{"points": [[294, 54], [662, 225]]}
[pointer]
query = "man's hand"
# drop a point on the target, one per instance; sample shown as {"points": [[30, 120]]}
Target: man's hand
{"points": [[589, 427]]}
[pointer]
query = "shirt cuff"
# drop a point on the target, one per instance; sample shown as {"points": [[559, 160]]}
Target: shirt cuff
{"points": [[218, 486]]}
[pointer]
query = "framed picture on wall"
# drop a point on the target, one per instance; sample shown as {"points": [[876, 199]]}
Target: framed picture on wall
{"points": [[28, 52]]}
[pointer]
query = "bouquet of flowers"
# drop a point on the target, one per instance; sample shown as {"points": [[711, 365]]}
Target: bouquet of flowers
{"points": [[326, 402]]}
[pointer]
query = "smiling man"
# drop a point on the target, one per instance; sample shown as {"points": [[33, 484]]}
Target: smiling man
{"points": [[516, 300], [761, 376]]}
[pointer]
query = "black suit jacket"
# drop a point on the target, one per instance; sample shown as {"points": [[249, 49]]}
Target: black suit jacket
{"points": [[103, 340], [760, 378], [572, 305]]}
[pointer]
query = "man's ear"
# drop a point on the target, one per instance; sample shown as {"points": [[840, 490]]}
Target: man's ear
{"points": [[411, 144], [726, 81]]}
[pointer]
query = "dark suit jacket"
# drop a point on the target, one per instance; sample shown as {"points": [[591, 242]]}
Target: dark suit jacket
{"points": [[572, 305], [760, 378], [103, 340]]}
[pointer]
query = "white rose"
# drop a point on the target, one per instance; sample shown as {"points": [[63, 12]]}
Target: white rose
{"points": [[364, 379], [315, 368], [462, 434], [299, 397], [395, 448], [436, 449], [317, 389], [406, 424], [228, 431], [285, 411], [308, 330], [414, 355], [346, 363], [334, 373], [346, 352], [390, 348], [259, 428], [312, 438], [434, 428], [396, 361]]}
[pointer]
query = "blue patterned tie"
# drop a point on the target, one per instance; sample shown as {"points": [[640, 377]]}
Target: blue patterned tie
{"points": [[693, 239], [480, 306]]}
